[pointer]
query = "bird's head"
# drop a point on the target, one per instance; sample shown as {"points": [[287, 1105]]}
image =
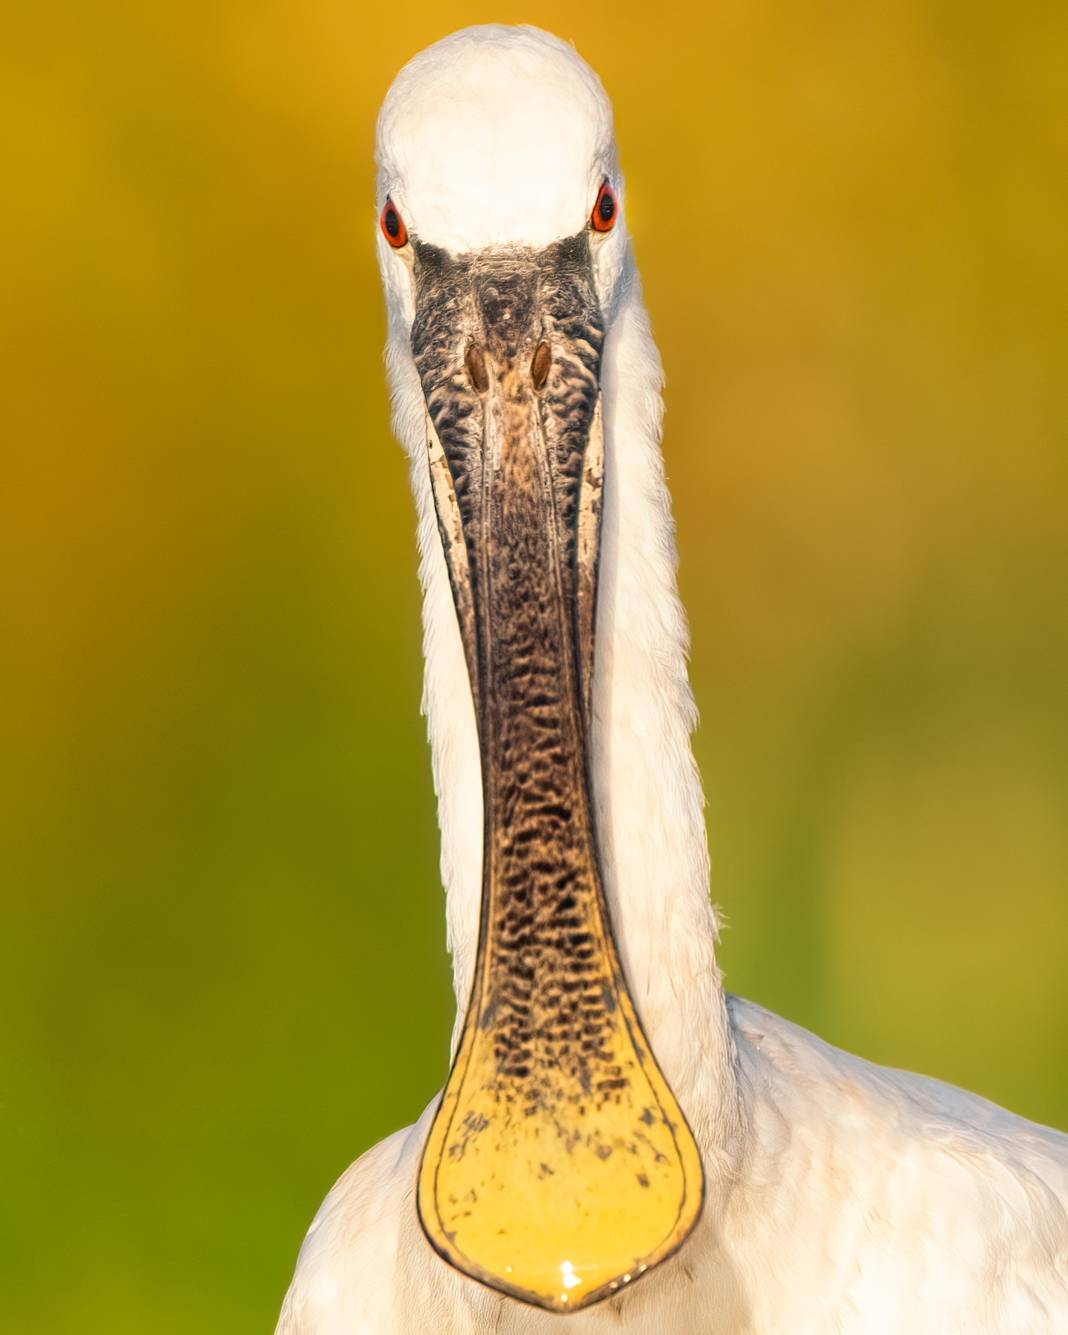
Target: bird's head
{"points": [[559, 1167], [503, 250], [496, 136]]}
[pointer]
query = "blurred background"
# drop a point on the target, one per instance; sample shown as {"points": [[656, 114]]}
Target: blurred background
{"points": [[222, 962]]}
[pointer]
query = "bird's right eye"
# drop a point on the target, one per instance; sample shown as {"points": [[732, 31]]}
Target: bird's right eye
{"points": [[392, 224]]}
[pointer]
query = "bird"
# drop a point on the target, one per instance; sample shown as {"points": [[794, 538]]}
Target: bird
{"points": [[621, 1144]]}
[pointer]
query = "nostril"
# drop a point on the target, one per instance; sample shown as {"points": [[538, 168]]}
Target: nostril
{"points": [[540, 364], [475, 363]]}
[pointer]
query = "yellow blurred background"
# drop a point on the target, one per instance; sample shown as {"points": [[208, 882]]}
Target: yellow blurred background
{"points": [[222, 943]]}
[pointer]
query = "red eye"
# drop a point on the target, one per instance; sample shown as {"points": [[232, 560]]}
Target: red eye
{"points": [[392, 224], [603, 217]]}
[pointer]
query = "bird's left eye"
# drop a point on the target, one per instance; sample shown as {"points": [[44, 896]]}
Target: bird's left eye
{"points": [[603, 217], [392, 224]]}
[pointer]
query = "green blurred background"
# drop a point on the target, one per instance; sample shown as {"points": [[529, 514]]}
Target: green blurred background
{"points": [[222, 943]]}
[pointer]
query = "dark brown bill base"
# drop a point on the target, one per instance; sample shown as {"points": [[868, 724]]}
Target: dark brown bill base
{"points": [[559, 1166]]}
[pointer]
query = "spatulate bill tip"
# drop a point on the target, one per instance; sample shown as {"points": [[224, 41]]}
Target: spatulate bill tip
{"points": [[527, 1249]]}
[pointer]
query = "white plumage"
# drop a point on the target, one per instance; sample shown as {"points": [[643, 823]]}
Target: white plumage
{"points": [[841, 1196]]}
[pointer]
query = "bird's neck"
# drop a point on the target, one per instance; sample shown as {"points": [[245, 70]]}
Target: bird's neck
{"points": [[647, 794]]}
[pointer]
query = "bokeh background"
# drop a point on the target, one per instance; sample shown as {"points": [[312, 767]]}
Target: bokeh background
{"points": [[222, 964]]}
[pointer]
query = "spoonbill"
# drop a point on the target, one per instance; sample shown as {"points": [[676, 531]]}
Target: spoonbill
{"points": [[619, 1140]]}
